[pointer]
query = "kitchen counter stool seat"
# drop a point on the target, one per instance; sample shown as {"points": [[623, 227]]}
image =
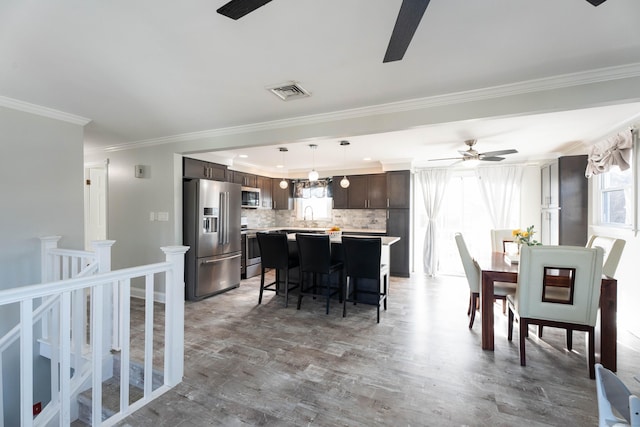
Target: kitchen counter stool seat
{"points": [[314, 252], [275, 253], [362, 258]]}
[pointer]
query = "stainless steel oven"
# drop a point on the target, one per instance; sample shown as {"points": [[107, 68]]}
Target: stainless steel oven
{"points": [[251, 255]]}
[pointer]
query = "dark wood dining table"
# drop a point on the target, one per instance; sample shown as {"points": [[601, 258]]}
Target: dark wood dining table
{"points": [[496, 268]]}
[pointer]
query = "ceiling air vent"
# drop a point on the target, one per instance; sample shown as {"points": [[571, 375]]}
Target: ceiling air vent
{"points": [[288, 91]]}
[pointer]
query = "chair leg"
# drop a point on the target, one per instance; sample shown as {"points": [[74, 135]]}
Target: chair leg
{"points": [[385, 290], [474, 301], [569, 339], [300, 289], [328, 292], [504, 306], [261, 286], [346, 295], [286, 287], [510, 325], [470, 303], [524, 327], [592, 353]]}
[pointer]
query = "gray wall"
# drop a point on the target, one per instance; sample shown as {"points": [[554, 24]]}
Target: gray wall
{"points": [[41, 188]]}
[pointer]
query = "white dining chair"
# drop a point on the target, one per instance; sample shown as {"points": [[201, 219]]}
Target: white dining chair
{"points": [[558, 286], [617, 406], [474, 278], [498, 239], [612, 252]]}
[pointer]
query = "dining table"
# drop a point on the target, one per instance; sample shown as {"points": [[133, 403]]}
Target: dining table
{"points": [[498, 268]]}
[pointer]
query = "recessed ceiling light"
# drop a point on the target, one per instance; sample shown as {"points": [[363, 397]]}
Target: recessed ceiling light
{"points": [[279, 166], [367, 159], [243, 156]]}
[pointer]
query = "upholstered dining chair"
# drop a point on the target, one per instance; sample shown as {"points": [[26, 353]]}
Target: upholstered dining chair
{"points": [[615, 398], [275, 253], [474, 278], [314, 252], [558, 286], [498, 239], [362, 259], [612, 252]]}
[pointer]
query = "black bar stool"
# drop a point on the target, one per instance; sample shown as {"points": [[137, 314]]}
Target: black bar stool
{"points": [[274, 253], [362, 258], [314, 251]]}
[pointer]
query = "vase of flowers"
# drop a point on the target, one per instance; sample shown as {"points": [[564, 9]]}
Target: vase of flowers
{"points": [[525, 237]]}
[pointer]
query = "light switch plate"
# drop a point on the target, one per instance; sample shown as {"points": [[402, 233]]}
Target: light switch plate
{"points": [[152, 216], [163, 216]]}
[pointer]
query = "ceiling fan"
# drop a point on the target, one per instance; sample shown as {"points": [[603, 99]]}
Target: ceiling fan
{"points": [[407, 22], [472, 154]]}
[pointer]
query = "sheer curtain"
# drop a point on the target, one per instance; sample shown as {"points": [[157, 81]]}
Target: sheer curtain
{"points": [[500, 189], [433, 183]]}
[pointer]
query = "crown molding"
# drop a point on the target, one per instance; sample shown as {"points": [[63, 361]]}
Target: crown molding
{"points": [[42, 111], [519, 88]]}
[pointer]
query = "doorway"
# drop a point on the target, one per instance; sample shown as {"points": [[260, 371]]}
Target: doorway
{"points": [[95, 202]]}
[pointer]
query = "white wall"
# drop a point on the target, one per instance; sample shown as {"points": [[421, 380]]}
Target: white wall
{"points": [[41, 188]]}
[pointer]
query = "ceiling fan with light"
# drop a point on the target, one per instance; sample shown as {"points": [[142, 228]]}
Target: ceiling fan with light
{"points": [[407, 22], [472, 154]]}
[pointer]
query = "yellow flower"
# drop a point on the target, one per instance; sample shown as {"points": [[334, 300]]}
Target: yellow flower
{"points": [[525, 234], [515, 232]]}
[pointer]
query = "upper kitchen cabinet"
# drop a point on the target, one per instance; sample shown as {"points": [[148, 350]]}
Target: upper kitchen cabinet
{"points": [[265, 186], [399, 189], [244, 179], [367, 192], [282, 199], [340, 195], [199, 169]]}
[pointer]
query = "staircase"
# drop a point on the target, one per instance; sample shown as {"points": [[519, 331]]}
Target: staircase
{"points": [[80, 319]]}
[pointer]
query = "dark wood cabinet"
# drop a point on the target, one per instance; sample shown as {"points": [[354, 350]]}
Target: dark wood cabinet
{"points": [[282, 199], [265, 185], [572, 196], [244, 179], [193, 168], [399, 189], [364, 192], [398, 225], [340, 195]]}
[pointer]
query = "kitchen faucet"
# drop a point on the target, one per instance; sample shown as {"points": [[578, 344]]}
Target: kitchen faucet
{"points": [[304, 215]]}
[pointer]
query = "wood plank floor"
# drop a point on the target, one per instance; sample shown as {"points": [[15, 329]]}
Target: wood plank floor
{"points": [[250, 364]]}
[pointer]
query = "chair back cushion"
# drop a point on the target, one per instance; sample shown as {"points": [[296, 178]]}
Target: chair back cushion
{"points": [[612, 252], [314, 251], [362, 256], [498, 237], [471, 267], [274, 249], [559, 283]]}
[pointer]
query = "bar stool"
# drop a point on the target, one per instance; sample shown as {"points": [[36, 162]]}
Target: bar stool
{"points": [[274, 253], [314, 252], [362, 257]]}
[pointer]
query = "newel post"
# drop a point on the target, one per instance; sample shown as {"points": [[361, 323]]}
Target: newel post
{"points": [[174, 315], [102, 249], [46, 266]]}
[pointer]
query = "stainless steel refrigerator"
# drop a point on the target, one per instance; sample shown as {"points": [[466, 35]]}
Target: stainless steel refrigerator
{"points": [[211, 228]]}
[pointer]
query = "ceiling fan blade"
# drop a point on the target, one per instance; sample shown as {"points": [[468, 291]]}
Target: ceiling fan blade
{"points": [[236, 9], [445, 158], [409, 17], [491, 159], [498, 153], [468, 153], [596, 2]]}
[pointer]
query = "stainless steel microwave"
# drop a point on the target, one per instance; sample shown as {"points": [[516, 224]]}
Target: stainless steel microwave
{"points": [[250, 197]]}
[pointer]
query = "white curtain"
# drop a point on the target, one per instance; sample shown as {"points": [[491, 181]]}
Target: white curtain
{"points": [[500, 188], [615, 151], [433, 183]]}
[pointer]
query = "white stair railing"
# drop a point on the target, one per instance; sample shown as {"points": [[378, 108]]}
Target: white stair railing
{"points": [[105, 290]]}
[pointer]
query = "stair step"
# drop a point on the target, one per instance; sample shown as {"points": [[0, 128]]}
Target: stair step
{"points": [[110, 399]]}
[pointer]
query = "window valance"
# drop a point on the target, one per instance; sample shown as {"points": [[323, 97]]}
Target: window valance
{"points": [[305, 189], [615, 151]]}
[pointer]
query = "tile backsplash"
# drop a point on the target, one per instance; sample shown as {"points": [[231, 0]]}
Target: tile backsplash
{"points": [[372, 219]]}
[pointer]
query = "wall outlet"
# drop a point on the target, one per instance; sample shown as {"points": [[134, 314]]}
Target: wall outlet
{"points": [[37, 408]]}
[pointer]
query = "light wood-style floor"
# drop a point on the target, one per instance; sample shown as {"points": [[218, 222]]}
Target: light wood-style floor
{"points": [[250, 364]]}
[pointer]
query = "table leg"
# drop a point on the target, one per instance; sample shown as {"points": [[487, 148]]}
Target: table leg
{"points": [[606, 330], [486, 303]]}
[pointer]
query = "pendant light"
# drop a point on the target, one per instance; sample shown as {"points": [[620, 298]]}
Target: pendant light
{"points": [[344, 182], [313, 175], [283, 184]]}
